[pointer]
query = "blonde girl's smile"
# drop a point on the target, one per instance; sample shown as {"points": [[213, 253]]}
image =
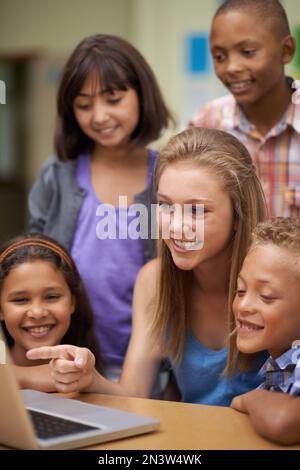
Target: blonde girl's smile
{"points": [[245, 328], [183, 246]]}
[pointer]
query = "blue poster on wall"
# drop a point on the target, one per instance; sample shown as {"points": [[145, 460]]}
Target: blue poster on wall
{"points": [[197, 55]]}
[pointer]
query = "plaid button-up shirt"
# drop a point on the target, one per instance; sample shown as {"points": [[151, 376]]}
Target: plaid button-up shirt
{"points": [[283, 374], [275, 155]]}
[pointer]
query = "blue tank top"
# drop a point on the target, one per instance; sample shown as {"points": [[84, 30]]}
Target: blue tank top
{"points": [[199, 376]]}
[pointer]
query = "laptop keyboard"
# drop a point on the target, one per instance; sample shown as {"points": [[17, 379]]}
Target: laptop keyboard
{"points": [[48, 426]]}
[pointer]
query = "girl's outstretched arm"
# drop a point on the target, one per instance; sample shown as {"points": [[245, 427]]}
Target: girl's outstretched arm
{"points": [[274, 415], [35, 377], [73, 367]]}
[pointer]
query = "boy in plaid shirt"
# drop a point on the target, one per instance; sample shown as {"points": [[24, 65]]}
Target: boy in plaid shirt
{"points": [[251, 43]]}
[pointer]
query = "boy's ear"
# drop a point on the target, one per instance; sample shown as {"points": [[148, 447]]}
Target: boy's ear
{"points": [[288, 49], [1, 315]]}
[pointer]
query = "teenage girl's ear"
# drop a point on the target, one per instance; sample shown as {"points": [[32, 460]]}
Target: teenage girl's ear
{"points": [[288, 49]]}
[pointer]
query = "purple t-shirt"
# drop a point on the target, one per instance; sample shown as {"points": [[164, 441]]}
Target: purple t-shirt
{"points": [[108, 267]]}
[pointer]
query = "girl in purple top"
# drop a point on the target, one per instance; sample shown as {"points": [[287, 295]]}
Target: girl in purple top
{"points": [[109, 108]]}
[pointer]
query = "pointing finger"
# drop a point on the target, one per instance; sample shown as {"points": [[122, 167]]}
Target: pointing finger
{"points": [[63, 351]]}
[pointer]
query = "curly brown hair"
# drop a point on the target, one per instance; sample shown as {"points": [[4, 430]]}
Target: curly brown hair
{"points": [[283, 232]]}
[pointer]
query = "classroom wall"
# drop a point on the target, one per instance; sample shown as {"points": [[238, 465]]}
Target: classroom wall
{"points": [[57, 25], [161, 28]]}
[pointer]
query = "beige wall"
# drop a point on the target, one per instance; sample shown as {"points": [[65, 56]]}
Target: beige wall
{"points": [[160, 27], [57, 25]]}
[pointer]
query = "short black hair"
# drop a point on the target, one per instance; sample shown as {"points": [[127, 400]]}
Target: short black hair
{"points": [[119, 65], [270, 11]]}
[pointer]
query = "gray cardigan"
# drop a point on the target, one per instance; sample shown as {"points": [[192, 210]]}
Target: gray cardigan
{"points": [[55, 201]]}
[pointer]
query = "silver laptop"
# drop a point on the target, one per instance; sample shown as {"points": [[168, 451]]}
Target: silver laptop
{"points": [[37, 420]]}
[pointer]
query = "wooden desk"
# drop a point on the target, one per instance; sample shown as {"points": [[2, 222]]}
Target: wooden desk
{"points": [[184, 426]]}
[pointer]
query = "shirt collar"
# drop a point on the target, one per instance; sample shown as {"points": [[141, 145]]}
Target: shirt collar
{"points": [[291, 118], [280, 362]]}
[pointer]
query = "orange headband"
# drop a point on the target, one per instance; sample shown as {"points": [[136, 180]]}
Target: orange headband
{"points": [[36, 242]]}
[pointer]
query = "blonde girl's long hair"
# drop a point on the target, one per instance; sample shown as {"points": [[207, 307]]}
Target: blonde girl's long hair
{"points": [[230, 161]]}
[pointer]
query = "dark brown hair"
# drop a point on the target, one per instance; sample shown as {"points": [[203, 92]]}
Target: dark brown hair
{"points": [[119, 65], [81, 329]]}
